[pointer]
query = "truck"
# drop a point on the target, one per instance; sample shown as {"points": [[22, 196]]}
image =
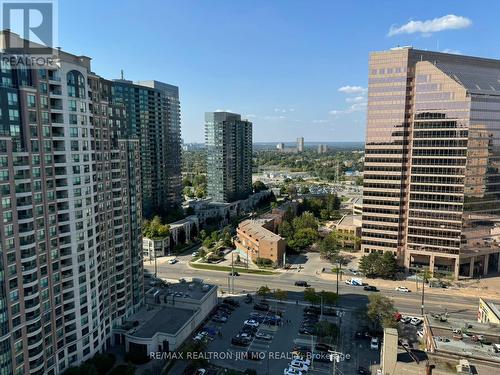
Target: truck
{"points": [[355, 281]]}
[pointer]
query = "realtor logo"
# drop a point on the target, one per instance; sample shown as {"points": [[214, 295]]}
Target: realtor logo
{"points": [[34, 21]]}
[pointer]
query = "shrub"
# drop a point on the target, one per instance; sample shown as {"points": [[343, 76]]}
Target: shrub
{"points": [[103, 362], [123, 370], [136, 358]]}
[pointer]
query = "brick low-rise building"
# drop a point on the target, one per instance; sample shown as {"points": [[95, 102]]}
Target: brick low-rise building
{"points": [[255, 239]]}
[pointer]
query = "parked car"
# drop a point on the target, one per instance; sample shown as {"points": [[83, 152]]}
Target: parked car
{"points": [[302, 283], [370, 288], [291, 371], [405, 319], [420, 334], [249, 330], [261, 307], [299, 365], [252, 356], [302, 359], [263, 336], [240, 341], [323, 347], [195, 254], [312, 309], [402, 289], [363, 370], [219, 319], [251, 323], [234, 273], [416, 321], [374, 343], [301, 348], [227, 306], [306, 330], [362, 335], [201, 371], [231, 301], [329, 312], [172, 261], [248, 299]]}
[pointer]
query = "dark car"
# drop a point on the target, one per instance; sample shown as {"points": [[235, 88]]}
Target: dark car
{"points": [[312, 309], [310, 314], [323, 347], [249, 330], [240, 341], [252, 356], [261, 307], [362, 335], [363, 370], [248, 299], [301, 348], [234, 273], [310, 319], [321, 357], [231, 301], [227, 306], [370, 288], [302, 283], [307, 330], [329, 312]]}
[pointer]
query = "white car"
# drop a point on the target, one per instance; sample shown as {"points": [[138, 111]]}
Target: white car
{"points": [[172, 261], [402, 289], [251, 323], [420, 333], [374, 343], [299, 365], [195, 254], [406, 319], [291, 371], [302, 359], [415, 321], [263, 336]]}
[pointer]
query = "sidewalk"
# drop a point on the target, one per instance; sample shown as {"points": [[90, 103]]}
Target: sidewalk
{"points": [[486, 288]]}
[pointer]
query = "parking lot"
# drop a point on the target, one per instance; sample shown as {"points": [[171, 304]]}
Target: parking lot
{"points": [[271, 346]]}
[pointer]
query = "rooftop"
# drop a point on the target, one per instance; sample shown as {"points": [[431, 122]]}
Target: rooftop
{"points": [[194, 290], [349, 221], [152, 320], [465, 346], [254, 228]]}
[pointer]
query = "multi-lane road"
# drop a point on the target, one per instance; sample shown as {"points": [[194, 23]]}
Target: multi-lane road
{"points": [[351, 297]]}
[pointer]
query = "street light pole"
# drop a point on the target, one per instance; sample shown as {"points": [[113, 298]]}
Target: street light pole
{"points": [[423, 288], [156, 267]]}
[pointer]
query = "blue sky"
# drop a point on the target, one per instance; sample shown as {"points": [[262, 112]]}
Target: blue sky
{"points": [[292, 67]]}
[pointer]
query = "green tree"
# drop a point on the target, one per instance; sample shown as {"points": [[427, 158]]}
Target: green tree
{"points": [[387, 265], [327, 329], [280, 295], [263, 291], [381, 311], [259, 186], [329, 298], [330, 246], [306, 220], [303, 238], [369, 263], [311, 296], [285, 229], [155, 229]]}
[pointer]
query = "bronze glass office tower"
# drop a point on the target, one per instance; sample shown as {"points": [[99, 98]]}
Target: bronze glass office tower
{"points": [[431, 182]]}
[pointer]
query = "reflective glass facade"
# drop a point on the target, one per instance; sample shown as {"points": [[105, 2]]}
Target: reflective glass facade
{"points": [[430, 191]]}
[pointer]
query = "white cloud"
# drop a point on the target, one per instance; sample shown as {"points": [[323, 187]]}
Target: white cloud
{"points": [[356, 107], [321, 121], [453, 51], [353, 90], [284, 110], [223, 110], [250, 115], [356, 99], [448, 22]]}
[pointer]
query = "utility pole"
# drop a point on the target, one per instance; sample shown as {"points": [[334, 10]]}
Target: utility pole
{"points": [[423, 288], [156, 267]]}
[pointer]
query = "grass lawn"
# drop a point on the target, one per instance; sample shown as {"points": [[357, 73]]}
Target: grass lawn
{"points": [[227, 269]]}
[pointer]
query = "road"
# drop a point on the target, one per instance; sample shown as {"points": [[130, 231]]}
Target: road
{"points": [[352, 297]]}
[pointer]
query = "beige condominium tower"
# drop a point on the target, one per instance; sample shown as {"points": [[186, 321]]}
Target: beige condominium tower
{"points": [[432, 183]]}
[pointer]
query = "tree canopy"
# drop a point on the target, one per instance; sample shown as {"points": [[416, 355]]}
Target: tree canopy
{"points": [[376, 264], [155, 229], [381, 311]]}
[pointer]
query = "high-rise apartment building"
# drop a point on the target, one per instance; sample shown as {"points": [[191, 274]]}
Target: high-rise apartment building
{"points": [[228, 141], [70, 260], [300, 144], [431, 179], [154, 118]]}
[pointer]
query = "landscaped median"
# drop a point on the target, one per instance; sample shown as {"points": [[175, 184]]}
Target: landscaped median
{"points": [[212, 267]]}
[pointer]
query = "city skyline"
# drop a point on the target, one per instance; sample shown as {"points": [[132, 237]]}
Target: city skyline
{"points": [[288, 56]]}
